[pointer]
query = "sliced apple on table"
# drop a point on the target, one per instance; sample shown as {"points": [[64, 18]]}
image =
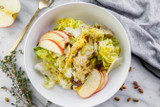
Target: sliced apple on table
{"points": [[64, 34], [55, 37], [91, 85], [8, 12], [52, 46]]}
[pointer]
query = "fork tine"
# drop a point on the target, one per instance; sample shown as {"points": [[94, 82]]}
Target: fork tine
{"points": [[51, 2]]}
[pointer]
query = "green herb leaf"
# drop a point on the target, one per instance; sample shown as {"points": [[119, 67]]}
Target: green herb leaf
{"points": [[20, 84]]}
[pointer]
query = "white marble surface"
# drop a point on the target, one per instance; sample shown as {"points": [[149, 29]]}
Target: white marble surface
{"points": [[147, 81]]}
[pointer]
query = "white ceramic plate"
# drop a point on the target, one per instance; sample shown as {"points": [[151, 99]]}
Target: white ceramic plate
{"points": [[90, 14]]}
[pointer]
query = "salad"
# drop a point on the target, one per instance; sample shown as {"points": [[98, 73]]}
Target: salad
{"points": [[77, 56]]}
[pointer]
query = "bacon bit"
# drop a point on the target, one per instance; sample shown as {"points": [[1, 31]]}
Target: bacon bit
{"points": [[87, 39], [78, 83], [98, 27], [116, 98], [97, 42], [140, 90], [71, 87], [129, 99], [130, 69], [98, 67], [135, 100], [86, 75], [68, 44]]}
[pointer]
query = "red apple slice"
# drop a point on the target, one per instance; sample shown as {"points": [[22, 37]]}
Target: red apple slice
{"points": [[102, 82], [64, 34], [115, 64], [91, 85], [52, 46], [55, 37], [106, 78]]}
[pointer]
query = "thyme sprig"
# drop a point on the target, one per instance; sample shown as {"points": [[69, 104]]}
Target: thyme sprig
{"points": [[20, 88]]}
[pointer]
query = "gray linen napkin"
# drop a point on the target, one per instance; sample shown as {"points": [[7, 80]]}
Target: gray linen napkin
{"points": [[141, 19]]}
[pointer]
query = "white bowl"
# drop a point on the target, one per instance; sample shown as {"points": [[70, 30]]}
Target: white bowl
{"points": [[90, 14]]}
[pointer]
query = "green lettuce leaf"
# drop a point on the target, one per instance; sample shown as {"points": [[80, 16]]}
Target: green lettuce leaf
{"points": [[108, 52], [44, 54], [67, 22]]}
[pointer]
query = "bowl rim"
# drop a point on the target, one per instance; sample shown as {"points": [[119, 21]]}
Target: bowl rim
{"points": [[72, 3]]}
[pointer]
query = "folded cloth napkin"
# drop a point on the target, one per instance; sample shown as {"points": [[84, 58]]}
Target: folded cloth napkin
{"points": [[141, 19]]}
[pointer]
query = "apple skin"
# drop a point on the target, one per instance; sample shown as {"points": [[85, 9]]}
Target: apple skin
{"points": [[64, 34], [51, 45], [14, 17], [54, 33], [57, 33], [102, 82], [106, 79], [59, 39], [95, 89], [58, 46], [8, 25], [105, 82]]}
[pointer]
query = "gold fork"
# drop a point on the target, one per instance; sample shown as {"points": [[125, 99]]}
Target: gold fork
{"points": [[42, 4]]}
